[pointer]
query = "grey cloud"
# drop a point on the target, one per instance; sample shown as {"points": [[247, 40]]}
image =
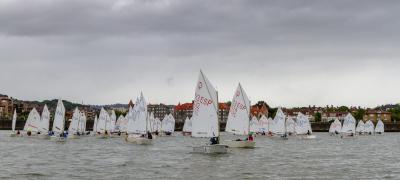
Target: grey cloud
{"points": [[286, 52]]}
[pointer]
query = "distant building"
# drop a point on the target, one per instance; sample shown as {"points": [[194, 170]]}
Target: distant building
{"points": [[259, 109], [332, 116], [6, 106], [375, 115], [186, 110], [160, 110]]}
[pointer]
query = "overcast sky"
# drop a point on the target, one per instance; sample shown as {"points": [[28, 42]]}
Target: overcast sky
{"points": [[288, 53]]}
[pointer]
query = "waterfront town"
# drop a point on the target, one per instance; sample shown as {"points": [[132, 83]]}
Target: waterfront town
{"points": [[389, 114]]}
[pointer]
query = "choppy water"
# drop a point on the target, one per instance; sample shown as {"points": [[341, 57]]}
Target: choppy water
{"points": [[370, 157]]}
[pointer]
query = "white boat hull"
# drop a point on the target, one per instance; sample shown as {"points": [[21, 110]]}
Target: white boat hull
{"points": [[43, 136], [138, 140], [211, 149], [240, 144], [115, 136], [308, 137]]}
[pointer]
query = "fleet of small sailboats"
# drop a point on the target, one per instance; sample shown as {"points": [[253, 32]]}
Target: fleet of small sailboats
{"points": [[139, 125], [349, 128]]}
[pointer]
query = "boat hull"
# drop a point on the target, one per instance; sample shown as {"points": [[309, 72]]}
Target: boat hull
{"points": [[308, 137], [211, 149], [240, 144], [186, 133], [138, 140]]}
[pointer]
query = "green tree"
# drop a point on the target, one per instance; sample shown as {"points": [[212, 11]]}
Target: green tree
{"points": [[343, 109], [318, 117], [395, 112], [359, 114]]}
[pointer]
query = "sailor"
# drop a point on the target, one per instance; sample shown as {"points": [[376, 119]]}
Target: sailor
{"points": [[214, 140], [149, 136], [250, 138], [308, 132], [18, 132], [29, 133]]}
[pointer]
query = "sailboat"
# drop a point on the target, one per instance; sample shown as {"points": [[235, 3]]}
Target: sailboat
{"points": [[95, 125], [369, 127], [238, 120], [254, 125], [14, 122], [360, 129], [205, 117], [279, 124], [187, 127], [290, 126], [32, 124], [59, 123], [168, 125], [44, 124], [82, 124], [303, 127], [263, 125], [380, 127], [349, 126], [138, 130], [335, 128], [121, 125], [113, 121], [102, 123], [73, 129]]}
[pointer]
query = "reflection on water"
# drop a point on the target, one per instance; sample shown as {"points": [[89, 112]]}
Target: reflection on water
{"points": [[367, 157]]}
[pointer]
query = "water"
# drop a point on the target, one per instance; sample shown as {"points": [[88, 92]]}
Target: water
{"points": [[369, 157]]}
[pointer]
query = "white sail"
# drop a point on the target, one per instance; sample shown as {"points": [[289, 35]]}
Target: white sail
{"points": [[290, 125], [205, 109], [33, 122], [380, 127], [263, 124], [360, 127], [58, 123], [82, 124], [95, 124], [74, 124], [168, 124], [138, 123], [238, 118], [336, 127], [270, 125], [102, 121], [158, 125], [303, 125], [45, 120], [14, 120], [187, 127], [122, 124], [369, 127], [254, 125], [150, 123], [349, 124], [113, 120], [279, 122]]}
